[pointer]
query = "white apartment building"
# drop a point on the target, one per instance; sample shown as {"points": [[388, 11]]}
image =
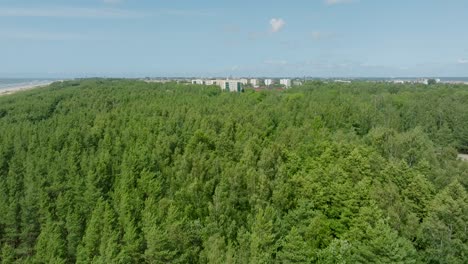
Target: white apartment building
{"points": [[254, 82], [244, 81], [232, 86], [268, 82], [197, 81], [227, 85], [286, 82]]}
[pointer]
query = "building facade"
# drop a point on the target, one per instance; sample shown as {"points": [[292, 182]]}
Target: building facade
{"points": [[232, 86], [226, 85], [286, 82], [254, 83], [197, 81], [244, 81]]}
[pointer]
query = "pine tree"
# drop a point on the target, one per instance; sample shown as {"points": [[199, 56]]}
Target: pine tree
{"points": [[294, 249], [442, 234], [373, 241], [262, 245], [51, 245], [7, 254]]}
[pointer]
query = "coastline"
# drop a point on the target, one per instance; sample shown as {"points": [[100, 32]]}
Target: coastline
{"points": [[12, 90]]}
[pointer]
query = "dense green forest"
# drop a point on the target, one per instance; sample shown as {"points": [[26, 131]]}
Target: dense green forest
{"points": [[122, 171]]}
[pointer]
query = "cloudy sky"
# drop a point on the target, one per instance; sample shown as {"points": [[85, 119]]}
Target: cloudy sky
{"points": [[319, 38]]}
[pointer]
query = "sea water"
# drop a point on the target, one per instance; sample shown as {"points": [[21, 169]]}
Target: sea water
{"points": [[9, 83]]}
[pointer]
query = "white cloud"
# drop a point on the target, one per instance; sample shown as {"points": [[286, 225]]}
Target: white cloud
{"points": [[277, 24], [335, 2], [463, 61]]}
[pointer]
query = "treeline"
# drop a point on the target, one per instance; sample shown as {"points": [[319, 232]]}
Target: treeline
{"points": [[118, 171]]}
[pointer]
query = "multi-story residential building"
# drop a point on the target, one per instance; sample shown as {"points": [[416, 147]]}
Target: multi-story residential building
{"points": [[228, 85], [197, 81], [286, 82], [232, 86], [254, 82], [244, 81]]}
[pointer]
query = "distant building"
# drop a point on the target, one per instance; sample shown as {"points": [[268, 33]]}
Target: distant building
{"points": [[254, 82], [218, 82], [227, 85], [286, 82], [268, 82], [296, 82], [244, 81], [423, 81], [197, 81], [232, 86]]}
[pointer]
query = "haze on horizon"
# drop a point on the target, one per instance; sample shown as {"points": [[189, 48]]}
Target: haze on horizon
{"points": [[321, 38]]}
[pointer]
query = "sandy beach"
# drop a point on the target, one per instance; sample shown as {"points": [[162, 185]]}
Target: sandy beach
{"points": [[12, 90], [463, 157]]}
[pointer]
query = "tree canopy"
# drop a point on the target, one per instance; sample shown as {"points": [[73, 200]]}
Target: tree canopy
{"points": [[123, 171]]}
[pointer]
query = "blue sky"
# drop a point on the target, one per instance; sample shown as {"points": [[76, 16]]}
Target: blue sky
{"points": [[320, 38]]}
